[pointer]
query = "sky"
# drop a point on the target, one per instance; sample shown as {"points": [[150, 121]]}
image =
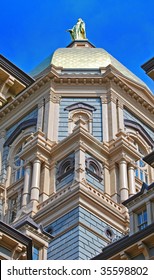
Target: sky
{"points": [[33, 29]]}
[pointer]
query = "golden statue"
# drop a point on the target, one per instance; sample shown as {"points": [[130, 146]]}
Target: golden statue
{"points": [[78, 31]]}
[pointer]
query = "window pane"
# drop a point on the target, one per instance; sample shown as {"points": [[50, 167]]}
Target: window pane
{"points": [[142, 220], [139, 219], [145, 216], [142, 164], [35, 253], [136, 172], [141, 175]]}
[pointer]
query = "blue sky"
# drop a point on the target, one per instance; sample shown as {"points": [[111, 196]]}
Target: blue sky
{"points": [[33, 29]]}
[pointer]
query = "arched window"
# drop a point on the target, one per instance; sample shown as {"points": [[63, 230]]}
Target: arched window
{"points": [[18, 164], [141, 171], [94, 168], [64, 168]]}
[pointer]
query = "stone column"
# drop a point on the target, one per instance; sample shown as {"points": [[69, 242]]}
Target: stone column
{"points": [[27, 182], [114, 182], [105, 128], [123, 180], [45, 182], [35, 180], [131, 179], [120, 116]]}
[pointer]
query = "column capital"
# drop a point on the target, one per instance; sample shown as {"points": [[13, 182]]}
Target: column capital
{"points": [[104, 99], [41, 103], [52, 97], [131, 165], [119, 104], [37, 160], [123, 160], [112, 98], [27, 163]]}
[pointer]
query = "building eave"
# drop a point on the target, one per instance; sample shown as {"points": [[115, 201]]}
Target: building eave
{"points": [[17, 235], [15, 71]]}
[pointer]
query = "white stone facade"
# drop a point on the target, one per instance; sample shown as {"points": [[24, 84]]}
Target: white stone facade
{"points": [[96, 126]]}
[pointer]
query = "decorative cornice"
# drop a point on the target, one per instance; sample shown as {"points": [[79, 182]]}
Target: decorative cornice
{"points": [[59, 78]]}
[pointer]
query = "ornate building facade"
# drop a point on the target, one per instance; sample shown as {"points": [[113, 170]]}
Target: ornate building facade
{"points": [[73, 135]]}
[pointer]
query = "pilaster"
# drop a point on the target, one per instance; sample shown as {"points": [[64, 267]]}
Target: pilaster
{"points": [[120, 115], [149, 212], [105, 119], [52, 189], [51, 117], [112, 117], [40, 118], [107, 180], [132, 223]]}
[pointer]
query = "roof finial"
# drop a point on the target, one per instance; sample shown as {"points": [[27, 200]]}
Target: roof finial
{"points": [[78, 31]]}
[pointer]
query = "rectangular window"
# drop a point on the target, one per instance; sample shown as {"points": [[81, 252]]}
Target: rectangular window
{"points": [[136, 172], [141, 175], [35, 253], [142, 220]]}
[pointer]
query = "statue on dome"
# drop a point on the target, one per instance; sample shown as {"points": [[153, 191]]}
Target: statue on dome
{"points": [[78, 31]]}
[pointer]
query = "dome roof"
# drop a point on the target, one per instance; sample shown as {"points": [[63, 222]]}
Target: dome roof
{"points": [[84, 58]]}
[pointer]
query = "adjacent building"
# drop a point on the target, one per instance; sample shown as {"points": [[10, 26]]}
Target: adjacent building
{"points": [[148, 67], [139, 243], [14, 244], [72, 137]]}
